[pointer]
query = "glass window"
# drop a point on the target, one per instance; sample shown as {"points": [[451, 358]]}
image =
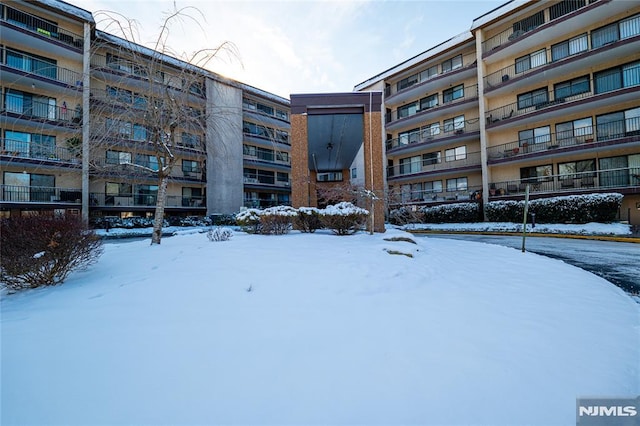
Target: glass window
{"points": [[456, 92], [631, 74], [432, 130], [607, 80], [408, 110], [533, 136], [454, 124], [428, 73], [572, 87], [431, 158], [616, 173], [452, 64], [433, 186], [429, 101], [564, 7], [408, 137], [537, 173], [454, 154], [610, 126], [604, 35], [632, 121], [410, 165], [531, 60], [630, 27], [190, 166], [534, 98], [457, 184]]}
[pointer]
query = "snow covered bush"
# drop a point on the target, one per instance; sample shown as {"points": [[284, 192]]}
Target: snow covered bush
{"points": [[451, 213], [405, 215], [307, 220], [567, 209], [249, 220], [343, 218], [277, 220], [42, 250], [219, 234]]}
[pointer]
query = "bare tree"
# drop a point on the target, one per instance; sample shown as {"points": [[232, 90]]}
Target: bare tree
{"points": [[167, 98]]}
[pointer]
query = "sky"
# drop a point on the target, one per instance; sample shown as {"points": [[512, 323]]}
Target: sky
{"points": [[291, 47], [316, 329]]}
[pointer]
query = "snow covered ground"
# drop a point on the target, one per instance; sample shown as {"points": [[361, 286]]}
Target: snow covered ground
{"points": [[316, 329]]}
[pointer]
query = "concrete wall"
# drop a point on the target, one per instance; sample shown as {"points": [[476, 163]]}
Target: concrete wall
{"points": [[224, 148]]}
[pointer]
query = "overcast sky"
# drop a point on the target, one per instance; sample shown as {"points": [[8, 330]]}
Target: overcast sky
{"points": [[287, 47]]}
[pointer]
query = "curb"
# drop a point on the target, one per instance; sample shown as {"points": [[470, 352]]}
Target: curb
{"points": [[614, 238]]}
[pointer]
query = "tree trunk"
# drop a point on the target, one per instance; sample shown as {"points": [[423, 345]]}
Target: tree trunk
{"points": [[160, 203]]}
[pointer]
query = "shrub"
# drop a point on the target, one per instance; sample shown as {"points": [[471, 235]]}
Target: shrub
{"points": [[504, 211], [406, 215], [344, 218], [219, 234], [451, 213], [39, 250], [249, 220], [277, 220], [308, 219]]}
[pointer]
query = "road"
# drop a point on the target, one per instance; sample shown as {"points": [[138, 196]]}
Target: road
{"points": [[618, 263]]}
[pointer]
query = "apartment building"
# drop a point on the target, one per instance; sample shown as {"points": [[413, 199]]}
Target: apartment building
{"points": [[64, 82], [538, 93]]}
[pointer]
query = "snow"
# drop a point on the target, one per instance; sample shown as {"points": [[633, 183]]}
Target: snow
{"points": [[612, 229], [316, 329]]}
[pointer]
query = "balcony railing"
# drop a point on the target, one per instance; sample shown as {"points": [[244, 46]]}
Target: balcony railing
{"points": [[254, 180], [29, 64], [583, 136], [470, 92], [41, 27], [428, 134], [430, 196], [263, 203], [266, 157], [552, 98], [610, 179], [39, 194], [429, 165], [514, 32], [467, 61], [38, 110], [98, 199], [22, 149]]}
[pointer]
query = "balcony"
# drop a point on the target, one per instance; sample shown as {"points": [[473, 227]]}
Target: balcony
{"points": [[624, 179], [267, 158], [103, 200], [19, 107], [444, 104], [428, 136], [431, 166], [546, 103], [15, 21], [19, 66], [425, 82], [14, 149], [586, 138], [542, 25], [430, 196], [39, 194]]}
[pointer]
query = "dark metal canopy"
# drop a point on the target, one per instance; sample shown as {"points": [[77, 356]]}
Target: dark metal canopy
{"points": [[333, 140]]}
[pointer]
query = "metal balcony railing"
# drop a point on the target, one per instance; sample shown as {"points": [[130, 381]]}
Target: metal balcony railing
{"points": [[610, 179], [38, 110], [39, 194], [469, 92], [525, 26], [98, 199], [583, 136], [433, 165], [263, 180], [541, 100], [421, 197], [428, 134], [267, 157], [23, 62], [41, 27], [22, 149]]}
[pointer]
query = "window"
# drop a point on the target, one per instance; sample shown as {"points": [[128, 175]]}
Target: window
{"points": [[428, 73], [29, 187], [630, 27], [537, 173], [452, 64], [32, 63], [282, 177], [190, 166], [139, 132], [29, 104], [354, 173], [249, 104], [116, 188], [533, 98], [454, 93], [408, 110], [120, 95], [410, 165], [433, 186], [581, 130], [146, 194], [282, 156], [454, 124], [569, 47], [119, 64], [264, 154], [283, 115], [572, 87], [632, 121], [533, 136], [410, 136], [34, 145], [457, 184], [454, 154], [190, 140], [604, 35], [529, 23], [118, 157], [627, 75], [616, 173], [148, 161], [329, 177], [407, 82], [265, 109], [431, 130], [431, 158], [564, 7], [618, 124], [429, 102], [533, 60], [282, 136], [577, 169]]}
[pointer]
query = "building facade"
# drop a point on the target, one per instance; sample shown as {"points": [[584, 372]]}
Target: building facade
{"points": [[538, 94], [75, 133]]}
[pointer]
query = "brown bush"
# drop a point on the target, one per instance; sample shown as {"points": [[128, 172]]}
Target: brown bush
{"points": [[41, 250]]}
